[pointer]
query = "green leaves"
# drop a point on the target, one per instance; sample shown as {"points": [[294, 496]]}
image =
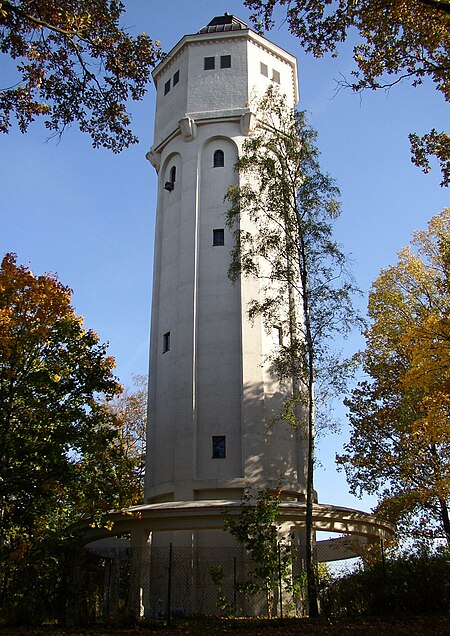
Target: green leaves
{"points": [[75, 64], [256, 529], [282, 213], [397, 41], [400, 442], [60, 449]]}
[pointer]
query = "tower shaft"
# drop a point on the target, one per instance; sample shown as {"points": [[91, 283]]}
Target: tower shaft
{"points": [[212, 397]]}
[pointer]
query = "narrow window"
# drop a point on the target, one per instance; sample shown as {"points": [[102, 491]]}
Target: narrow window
{"points": [[166, 342], [219, 159], [167, 87], [218, 447], [264, 69], [218, 237], [209, 63], [276, 76], [225, 61], [277, 335], [176, 78], [170, 185]]}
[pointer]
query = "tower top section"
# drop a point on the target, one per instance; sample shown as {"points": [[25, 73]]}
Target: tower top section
{"points": [[216, 73], [225, 22]]}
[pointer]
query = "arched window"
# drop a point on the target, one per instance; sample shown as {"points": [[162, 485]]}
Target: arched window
{"points": [[219, 159], [169, 185]]}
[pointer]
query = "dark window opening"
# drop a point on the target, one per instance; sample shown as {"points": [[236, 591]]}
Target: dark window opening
{"points": [[166, 342], [176, 78], [170, 185], [276, 76], [166, 87], [218, 237], [278, 335], [209, 63], [264, 69], [218, 447], [219, 159], [225, 61]]}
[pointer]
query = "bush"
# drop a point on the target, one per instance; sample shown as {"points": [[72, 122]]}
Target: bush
{"points": [[416, 583]]}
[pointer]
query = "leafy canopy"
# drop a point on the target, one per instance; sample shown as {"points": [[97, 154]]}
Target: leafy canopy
{"points": [[129, 412], [406, 39], [61, 454], [400, 416], [74, 64]]}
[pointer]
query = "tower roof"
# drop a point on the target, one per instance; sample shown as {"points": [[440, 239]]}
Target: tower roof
{"points": [[225, 22]]}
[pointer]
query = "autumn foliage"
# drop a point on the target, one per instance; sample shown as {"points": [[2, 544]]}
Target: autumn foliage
{"points": [[395, 41], [74, 64], [62, 450], [400, 416]]}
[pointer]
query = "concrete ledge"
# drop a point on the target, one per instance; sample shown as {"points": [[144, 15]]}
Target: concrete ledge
{"points": [[205, 515]]}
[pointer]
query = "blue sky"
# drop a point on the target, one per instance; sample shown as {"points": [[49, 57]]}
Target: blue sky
{"points": [[88, 215]]}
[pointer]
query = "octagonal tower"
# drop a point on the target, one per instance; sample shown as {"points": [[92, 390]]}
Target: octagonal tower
{"points": [[212, 397]]}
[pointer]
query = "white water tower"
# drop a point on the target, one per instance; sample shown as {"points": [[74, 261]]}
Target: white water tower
{"points": [[212, 398]]}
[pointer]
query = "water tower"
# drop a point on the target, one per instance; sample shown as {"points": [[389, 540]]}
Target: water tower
{"points": [[212, 397]]}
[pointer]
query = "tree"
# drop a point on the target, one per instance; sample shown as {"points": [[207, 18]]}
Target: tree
{"points": [[75, 64], [256, 529], [400, 425], [285, 206], [129, 412], [409, 39], [61, 456]]}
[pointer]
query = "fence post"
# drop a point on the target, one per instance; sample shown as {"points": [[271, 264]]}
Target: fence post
{"points": [[383, 562], [280, 581], [383, 574], [169, 586], [234, 585]]}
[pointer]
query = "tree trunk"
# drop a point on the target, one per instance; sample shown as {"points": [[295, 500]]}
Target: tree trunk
{"points": [[445, 519], [311, 579]]}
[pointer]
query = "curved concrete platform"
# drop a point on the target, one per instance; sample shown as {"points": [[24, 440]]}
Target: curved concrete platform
{"points": [[139, 521]]}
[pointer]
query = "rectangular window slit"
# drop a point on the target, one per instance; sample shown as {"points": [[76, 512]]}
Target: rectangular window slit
{"points": [[218, 447], [225, 61], [166, 342], [218, 237], [209, 63]]}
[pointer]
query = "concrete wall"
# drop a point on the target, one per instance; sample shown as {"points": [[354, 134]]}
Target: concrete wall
{"points": [[213, 381]]}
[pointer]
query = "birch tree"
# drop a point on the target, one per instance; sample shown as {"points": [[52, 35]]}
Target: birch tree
{"points": [[305, 289]]}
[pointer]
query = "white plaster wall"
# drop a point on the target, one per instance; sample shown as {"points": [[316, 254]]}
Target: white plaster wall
{"points": [[214, 380], [258, 83], [217, 89], [171, 108], [218, 351]]}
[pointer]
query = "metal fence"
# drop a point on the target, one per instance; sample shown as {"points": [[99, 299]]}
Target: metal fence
{"points": [[173, 582]]}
